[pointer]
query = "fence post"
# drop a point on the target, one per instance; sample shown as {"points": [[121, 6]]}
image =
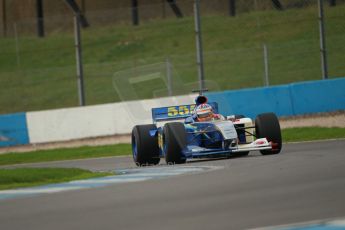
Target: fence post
{"points": [[79, 61], [322, 42], [169, 76], [17, 44], [4, 18], [175, 8], [135, 13], [40, 18], [232, 8], [266, 79], [199, 50]]}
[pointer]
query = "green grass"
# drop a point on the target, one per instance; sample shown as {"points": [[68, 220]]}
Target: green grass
{"points": [[29, 177], [42, 75], [312, 133], [65, 154]]}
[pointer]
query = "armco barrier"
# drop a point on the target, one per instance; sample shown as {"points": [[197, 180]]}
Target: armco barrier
{"points": [[13, 130], [285, 100], [251, 102], [318, 96]]}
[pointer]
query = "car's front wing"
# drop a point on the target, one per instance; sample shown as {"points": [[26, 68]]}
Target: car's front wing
{"points": [[199, 152]]}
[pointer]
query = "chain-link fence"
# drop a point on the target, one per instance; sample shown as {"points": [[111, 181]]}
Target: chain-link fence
{"points": [[257, 43]]}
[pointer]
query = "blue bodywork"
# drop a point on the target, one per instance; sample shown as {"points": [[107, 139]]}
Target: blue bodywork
{"points": [[203, 138]]}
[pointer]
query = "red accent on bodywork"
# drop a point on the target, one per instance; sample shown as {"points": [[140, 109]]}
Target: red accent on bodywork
{"points": [[216, 116], [274, 145], [260, 142]]}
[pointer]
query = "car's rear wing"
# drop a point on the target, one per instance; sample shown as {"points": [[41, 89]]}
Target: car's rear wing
{"points": [[176, 112]]}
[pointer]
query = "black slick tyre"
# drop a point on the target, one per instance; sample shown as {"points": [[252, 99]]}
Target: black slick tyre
{"points": [[267, 126], [174, 141], [145, 148]]}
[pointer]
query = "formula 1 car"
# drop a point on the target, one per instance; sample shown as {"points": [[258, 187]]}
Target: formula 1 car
{"points": [[177, 141]]}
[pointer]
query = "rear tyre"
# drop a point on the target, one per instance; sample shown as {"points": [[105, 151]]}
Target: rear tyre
{"points": [[267, 126], [144, 146], [174, 141]]}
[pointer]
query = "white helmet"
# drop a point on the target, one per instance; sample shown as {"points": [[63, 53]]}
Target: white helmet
{"points": [[203, 111]]}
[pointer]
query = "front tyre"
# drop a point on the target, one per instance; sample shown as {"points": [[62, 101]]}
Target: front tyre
{"points": [[174, 141], [144, 146], [267, 126]]}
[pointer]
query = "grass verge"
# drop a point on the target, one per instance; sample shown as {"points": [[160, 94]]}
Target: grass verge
{"points": [[312, 133], [65, 154], [29, 177]]}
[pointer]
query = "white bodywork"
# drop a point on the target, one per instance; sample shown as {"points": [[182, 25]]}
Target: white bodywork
{"points": [[227, 129], [258, 144]]}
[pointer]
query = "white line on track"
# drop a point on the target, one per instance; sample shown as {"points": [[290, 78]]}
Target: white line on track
{"points": [[329, 224]]}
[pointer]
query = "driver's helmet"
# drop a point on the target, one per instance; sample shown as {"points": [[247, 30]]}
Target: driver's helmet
{"points": [[204, 112]]}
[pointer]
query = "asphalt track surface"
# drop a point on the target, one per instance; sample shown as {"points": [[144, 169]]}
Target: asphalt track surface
{"points": [[305, 182]]}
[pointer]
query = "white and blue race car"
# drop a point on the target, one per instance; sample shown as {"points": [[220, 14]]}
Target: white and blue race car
{"points": [[175, 136]]}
